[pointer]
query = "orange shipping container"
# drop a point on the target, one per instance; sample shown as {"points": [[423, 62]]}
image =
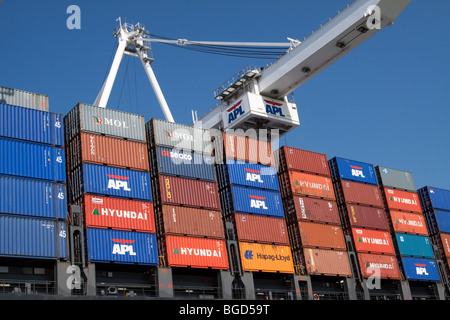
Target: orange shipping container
{"points": [[373, 241], [406, 222], [266, 257], [196, 252], [311, 185], [378, 265], [402, 200], [327, 262], [254, 228], [319, 235]]}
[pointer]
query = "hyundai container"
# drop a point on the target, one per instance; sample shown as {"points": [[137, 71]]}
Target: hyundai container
{"points": [[327, 262], [405, 222], [378, 266], [434, 198], [357, 171], [372, 241], [393, 178], [402, 200], [266, 257], [410, 245], [288, 158], [24, 99], [303, 184], [420, 269]]}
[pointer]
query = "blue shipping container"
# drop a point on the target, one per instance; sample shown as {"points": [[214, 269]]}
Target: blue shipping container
{"points": [[434, 198], [105, 180], [352, 170], [33, 238], [106, 245], [34, 198], [414, 245], [31, 125], [251, 200], [32, 160], [235, 172], [184, 163], [438, 221], [420, 269]]}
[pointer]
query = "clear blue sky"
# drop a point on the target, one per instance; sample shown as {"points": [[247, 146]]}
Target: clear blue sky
{"points": [[386, 103]]}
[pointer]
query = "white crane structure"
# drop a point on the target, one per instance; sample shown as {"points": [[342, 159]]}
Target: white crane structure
{"points": [[257, 97]]}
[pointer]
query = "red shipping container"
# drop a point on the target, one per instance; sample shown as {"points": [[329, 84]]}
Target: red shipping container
{"points": [[372, 241], [117, 213], [261, 229], [367, 217], [192, 221], [402, 200], [302, 160], [327, 262], [442, 240], [196, 252], [189, 192], [304, 184], [316, 210], [378, 265], [99, 149], [361, 193], [319, 235], [405, 222]]}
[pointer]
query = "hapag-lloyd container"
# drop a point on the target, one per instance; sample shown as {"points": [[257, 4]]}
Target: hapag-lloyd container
{"points": [[379, 265], [366, 217], [35, 198], [266, 257], [352, 170], [24, 99], [100, 149], [251, 200], [320, 235], [195, 252], [31, 125], [182, 163], [438, 221], [33, 238], [327, 262], [238, 172], [372, 241], [118, 213], [434, 198], [405, 222], [179, 136], [402, 200], [414, 245], [288, 158], [114, 123], [188, 192], [107, 245], [32, 160], [359, 193], [393, 178], [179, 220], [316, 209], [303, 184], [112, 181], [420, 269]]}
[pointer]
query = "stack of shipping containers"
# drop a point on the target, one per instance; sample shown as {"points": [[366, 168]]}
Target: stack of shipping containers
{"points": [[363, 217], [108, 173], [251, 201], [33, 205], [312, 216], [187, 208], [407, 225]]}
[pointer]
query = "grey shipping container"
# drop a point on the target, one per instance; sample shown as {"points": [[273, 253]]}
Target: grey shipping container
{"points": [[395, 179], [25, 99], [113, 123], [178, 136]]}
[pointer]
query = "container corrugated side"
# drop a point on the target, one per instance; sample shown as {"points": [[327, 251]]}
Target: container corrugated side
{"points": [[372, 241], [33, 238], [261, 229], [114, 123], [313, 209], [347, 169], [24, 99], [288, 158], [32, 160], [442, 240], [402, 200], [434, 198], [320, 235], [33, 198], [128, 247], [303, 184], [379, 266], [111, 181], [266, 257], [414, 245], [393, 178], [31, 125], [104, 150], [420, 269], [405, 222], [438, 221], [358, 193], [237, 172], [365, 217], [327, 262]]}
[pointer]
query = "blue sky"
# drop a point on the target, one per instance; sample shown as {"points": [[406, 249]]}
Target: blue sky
{"points": [[386, 102]]}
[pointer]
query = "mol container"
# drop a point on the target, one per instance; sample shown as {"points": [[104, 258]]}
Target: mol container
{"points": [[402, 200], [31, 160], [327, 262], [104, 121], [303, 184], [434, 198], [24, 99], [33, 198], [357, 171], [106, 245], [288, 158], [372, 241], [414, 245], [351, 192], [365, 217], [379, 265], [412, 223], [31, 125], [420, 269], [266, 257], [396, 179]]}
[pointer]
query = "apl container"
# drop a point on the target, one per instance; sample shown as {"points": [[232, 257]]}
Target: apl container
{"points": [[251, 200], [261, 229], [114, 123], [372, 241], [393, 178], [106, 245], [434, 198], [24, 99], [420, 269], [402, 200], [32, 160], [379, 266], [327, 262], [33, 198], [352, 170], [414, 246], [33, 238], [31, 125], [266, 257], [288, 158], [237, 172], [112, 181], [405, 222], [438, 221]]}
